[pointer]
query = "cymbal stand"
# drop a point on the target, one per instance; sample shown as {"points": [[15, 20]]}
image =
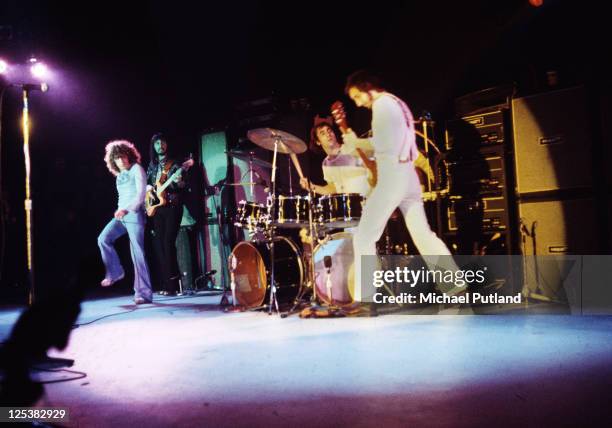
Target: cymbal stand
{"points": [[314, 305], [273, 304], [314, 235], [310, 271], [426, 120], [252, 173], [290, 178], [434, 189]]}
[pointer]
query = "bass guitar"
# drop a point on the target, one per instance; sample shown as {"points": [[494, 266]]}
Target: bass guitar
{"points": [[156, 196]]}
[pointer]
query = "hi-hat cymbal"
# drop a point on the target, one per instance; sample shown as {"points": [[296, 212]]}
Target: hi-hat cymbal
{"points": [[266, 137], [249, 157]]}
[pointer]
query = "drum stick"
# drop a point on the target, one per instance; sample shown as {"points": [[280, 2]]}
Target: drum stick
{"points": [[296, 163]]}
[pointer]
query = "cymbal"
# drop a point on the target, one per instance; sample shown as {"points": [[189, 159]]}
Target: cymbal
{"points": [[287, 143], [249, 157], [247, 183]]}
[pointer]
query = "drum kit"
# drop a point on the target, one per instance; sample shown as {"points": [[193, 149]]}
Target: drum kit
{"points": [[270, 267]]}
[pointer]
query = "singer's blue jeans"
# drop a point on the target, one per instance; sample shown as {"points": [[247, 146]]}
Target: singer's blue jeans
{"points": [[133, 223]]}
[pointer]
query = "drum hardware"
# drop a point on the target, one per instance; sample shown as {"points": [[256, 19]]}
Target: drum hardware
{"points": [[252, 160], [251, 265], [290, 211], [247, 183], [249, 157], [252, 216], [327, 262], [309, 239], [283, 142], [224, 240], [340, 210], [233, 263], [333, 263], [314, 308], [277, 141]]}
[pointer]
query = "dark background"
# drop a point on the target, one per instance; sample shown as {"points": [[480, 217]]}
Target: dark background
{"points": [[129, 69]]}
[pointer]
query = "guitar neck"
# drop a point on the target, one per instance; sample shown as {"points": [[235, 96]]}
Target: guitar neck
{"points": [[366, 160], [337, 110], [169, 181]]}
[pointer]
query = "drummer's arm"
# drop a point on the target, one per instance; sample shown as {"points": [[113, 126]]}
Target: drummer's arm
{"points": [[328, 189]]}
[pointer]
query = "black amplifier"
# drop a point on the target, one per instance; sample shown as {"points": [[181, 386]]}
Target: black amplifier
{"points": [[491, 214], [479, 174], [483, 129]]}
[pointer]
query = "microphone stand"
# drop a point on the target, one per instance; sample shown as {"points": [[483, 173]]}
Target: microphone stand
{"points": [[28, 196], [224, 244], [310, 281], [44, 360]]}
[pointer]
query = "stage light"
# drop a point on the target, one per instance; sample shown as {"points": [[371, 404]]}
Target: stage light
{"points": [[39, 70], [3, 66]]}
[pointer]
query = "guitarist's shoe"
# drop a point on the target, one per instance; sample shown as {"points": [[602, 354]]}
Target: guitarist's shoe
{"points": [[107, 282]]}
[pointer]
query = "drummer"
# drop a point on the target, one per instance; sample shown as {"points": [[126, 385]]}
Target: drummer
{"points": [[342, 173]]}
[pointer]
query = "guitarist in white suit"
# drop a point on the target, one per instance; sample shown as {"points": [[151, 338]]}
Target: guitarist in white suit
{"points": [[167, 216], [394, 144]]}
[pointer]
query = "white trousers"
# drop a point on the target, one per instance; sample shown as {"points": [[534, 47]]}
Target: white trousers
{"points": [[398, 186]]}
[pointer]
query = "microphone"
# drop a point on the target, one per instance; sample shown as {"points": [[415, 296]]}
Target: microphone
{"points": [[43, 87], [212, 190], [327, 262], [233, 264]]}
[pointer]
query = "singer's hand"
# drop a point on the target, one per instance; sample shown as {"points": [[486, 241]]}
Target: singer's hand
{"points": [[119, 214], [149, 188]]}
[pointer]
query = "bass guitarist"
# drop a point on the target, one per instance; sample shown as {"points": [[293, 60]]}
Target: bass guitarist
{"points": [[167, 212]]}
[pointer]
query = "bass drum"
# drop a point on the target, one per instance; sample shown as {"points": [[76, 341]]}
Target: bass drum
{"points": [[250, 271], [339, 247]]}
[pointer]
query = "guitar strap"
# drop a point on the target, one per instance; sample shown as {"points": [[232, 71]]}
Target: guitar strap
{"points": [[413, 151]]}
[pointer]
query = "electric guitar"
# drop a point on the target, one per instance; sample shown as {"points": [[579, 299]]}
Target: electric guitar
{"points": [[156, 196], [337, 110]]}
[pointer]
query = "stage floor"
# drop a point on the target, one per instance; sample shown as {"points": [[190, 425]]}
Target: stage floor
{"points": [[183, 362]]}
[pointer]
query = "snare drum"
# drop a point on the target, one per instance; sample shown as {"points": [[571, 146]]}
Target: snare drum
{"points": [[339, 247], [289, 211], [340, 210], [250, 271], [251, 215]]}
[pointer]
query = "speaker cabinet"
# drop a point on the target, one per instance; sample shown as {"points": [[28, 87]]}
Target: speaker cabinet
{"points": [[559, 227], [566, 229], [215, 164], [552, 142]]}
